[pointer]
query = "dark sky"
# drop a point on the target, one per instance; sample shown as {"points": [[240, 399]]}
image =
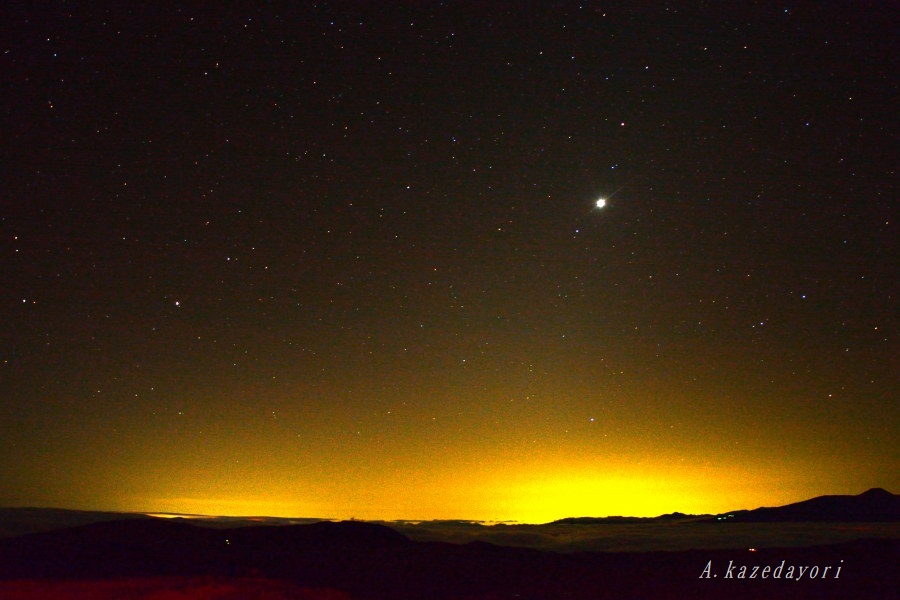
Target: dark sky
{"points": [[339, 259]]}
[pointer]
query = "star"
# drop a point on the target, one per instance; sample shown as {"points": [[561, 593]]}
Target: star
{"points": [[601, 202]]}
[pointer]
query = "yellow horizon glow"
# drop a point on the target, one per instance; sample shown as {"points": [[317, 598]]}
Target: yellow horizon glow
{"points": [[524, 493], [478, 467]]}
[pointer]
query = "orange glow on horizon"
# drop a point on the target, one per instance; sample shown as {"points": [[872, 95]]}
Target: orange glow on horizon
{"points": [[532, 493]]}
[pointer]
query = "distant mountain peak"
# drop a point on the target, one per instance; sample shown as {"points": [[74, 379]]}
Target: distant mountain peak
{"points": [[877, 492], [876, 504]]}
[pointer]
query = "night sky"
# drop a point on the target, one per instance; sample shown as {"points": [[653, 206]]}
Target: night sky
{"points": [[343, 260]]}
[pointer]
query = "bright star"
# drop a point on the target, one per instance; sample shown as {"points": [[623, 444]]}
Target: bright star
{"points": [[601, 202]]}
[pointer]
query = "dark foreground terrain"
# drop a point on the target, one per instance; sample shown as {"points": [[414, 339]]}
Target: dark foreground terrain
{"points": [[353, 560]]}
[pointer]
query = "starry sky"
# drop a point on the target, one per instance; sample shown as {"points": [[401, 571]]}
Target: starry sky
{"points": [[332, 259]]}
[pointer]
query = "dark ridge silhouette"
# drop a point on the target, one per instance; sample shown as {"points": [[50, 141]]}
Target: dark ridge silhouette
{"points": [[175, 547], [368, 561], [874, 505], [19, 521], [676, 516]]}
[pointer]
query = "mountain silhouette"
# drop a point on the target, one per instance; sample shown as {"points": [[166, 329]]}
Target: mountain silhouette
{"points": [[19, 521], [874, 505], [368, 561]]}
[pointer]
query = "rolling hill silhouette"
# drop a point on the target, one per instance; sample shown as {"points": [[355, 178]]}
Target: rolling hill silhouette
{"points": [[364, 560], [360, 560]]}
